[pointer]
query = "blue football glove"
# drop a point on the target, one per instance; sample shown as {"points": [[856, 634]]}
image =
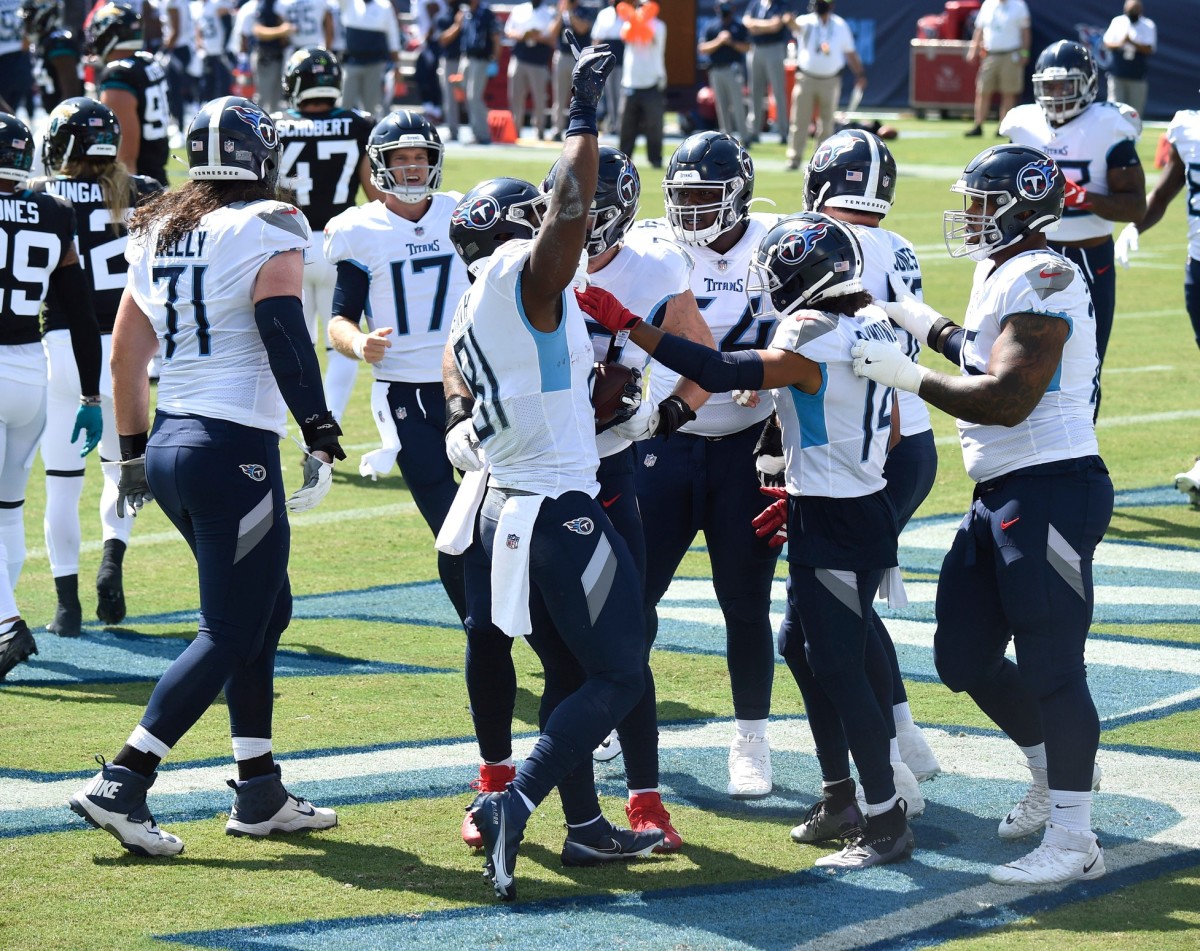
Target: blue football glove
{"points": [[591, 70], [88, 420]]}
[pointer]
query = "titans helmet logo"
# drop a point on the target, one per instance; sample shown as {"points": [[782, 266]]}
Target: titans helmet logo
{"points": [[263, 127], [823, 157], [796, 244], [479, 214], [1036, 179], [627, 186]]}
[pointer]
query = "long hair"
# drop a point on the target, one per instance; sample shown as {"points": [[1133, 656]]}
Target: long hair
{"points": [[172, 214], [845, 305], [115, 184]]}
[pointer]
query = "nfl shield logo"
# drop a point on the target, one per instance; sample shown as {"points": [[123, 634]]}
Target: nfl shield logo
{"points": [[722, 265], [401, 412], [513, 541], [419, 231]]}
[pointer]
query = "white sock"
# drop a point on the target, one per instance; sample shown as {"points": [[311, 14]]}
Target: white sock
{"points": [[901, 714], [6, 626], [638, 792], [147, 742], [581, 825], [499, 762], [111, 525], [12, 544], [894, 750], [340, 374], [1036, 755], [1071, 810], [751, 728], [248, 747], [879, 808], [61, 524]]}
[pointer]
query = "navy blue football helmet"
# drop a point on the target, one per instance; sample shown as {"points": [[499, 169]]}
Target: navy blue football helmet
{"points": [[1064, 80], [16, 148], [492, 213], [708, 161], [115, 26], [232, 139], [405, 130], [1019, 191], [852, 169], [808, 258], [311, 73], [42, 17], [618, 194], [79, 128]]}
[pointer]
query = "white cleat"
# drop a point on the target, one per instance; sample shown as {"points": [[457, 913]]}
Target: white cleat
{"points": [[115, 801], [915, 751], [907, 789], [263, 806], [1063, 856], [1189, 484], [609, 748], [1032, 812], [750, 767]]}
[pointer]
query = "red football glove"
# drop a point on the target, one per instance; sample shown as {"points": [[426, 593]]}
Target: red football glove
{"points": [[1076, 197], [771, 523], [606, 310]]}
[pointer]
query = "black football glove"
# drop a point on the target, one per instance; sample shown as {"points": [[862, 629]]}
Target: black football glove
{"points": [[768, 454], [673, 412], [321, 435]]}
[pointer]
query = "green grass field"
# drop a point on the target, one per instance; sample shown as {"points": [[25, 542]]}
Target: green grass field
{"points": [[396, 858]]}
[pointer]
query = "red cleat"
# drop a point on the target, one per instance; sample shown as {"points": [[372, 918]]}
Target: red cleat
{"points": [[491, 779], [645, 811]]}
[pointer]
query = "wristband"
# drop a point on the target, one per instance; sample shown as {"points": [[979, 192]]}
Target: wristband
{"points": [[133, 446], [358, 344], [89, 400], [935, 331], [458, 408]]}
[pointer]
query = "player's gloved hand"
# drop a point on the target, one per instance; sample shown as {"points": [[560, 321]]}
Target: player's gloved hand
{"points": [[914, 315], [771, 523], [885, 363], [631, 400], [318, 479], [462, 447], [90, 421], [132, 488], [321, 435], [673, 412], [641, 425], [606, 310], [1126, 243], [768, 454], [1076, 197], [591, 70]]}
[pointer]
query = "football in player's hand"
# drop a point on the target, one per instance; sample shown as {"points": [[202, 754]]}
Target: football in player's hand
{"points": [[616, 393]]}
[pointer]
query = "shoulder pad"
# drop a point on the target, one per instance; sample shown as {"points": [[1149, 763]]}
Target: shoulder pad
{"points": [[1049, 276], [802, 328], [287, 218]]}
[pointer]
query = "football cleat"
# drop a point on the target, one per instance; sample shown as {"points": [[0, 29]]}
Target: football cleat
{"points": [[1189, 484], [646, 814], [492, 815], [609, 748], [612, 845], [115, 801], [492, 778], [16, 645], [828, 819], [907, 789], [885, 838], [750, 767], [68, 620], [262, 806], [915, 752], [1063, 856], [110, 588], [1032, 811]]}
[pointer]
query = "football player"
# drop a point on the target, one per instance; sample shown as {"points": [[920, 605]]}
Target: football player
{"points": [[133, 84], [79, 155], [395, 262], [215, 273], [1095, 144], [55, 50], [843, 531], [37, 255], [703, 477], [1020, 566], [325, 163], [852, 178], [1182, 161], [559, 572]]}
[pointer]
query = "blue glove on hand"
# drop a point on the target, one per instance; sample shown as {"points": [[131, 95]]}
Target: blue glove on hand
{"points": [[89, 420], [587, 86], [493, 69]]}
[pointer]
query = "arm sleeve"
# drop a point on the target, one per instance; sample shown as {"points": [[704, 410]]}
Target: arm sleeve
{"points": [[293, 360], [70, 284], [350, 292], [710, 369]]}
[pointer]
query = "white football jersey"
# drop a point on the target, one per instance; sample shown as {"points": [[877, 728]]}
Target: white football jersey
{"points": [[733, 308], [198, 295], [307, 18], [1060, 426], [886, 252], [1184, 134], [533, 412], [835, 440], [1081, 147], [645, 274], [416, 277]]}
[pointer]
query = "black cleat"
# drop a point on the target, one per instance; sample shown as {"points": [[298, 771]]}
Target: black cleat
{"points": [[829, 819], [16, 645], [68, 616], [110, 588], [883, 839], [612, 845], [492, 814]]}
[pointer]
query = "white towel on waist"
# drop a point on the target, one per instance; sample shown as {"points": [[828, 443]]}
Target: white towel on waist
{"points": [[891, 587], [458, 529], [380, 461], [510, 564]]}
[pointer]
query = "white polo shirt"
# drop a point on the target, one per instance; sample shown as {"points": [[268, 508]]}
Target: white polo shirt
{"points": [[1002, 22], [821, 47]]}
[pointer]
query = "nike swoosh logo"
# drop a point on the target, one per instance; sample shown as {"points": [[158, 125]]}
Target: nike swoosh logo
{"points": [[1091, 865], [1009, 820], [1050, 272], [613, 848], [610, 502], [1058, 805], [1101, 270], [1005, 526], [503, 875], [306, 811]]}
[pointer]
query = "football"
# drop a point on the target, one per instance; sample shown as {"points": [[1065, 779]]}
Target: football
{"points": [[610, 387]]}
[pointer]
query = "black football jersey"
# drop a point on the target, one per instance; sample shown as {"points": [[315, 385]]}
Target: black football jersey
{"points": [[100, 242], [321, 155], [144, 76], [59, 44], [35, 230]]}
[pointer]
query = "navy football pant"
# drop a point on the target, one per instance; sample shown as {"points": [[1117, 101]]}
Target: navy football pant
{"points": [[1191, 295], [220, 484], [1096, 263], [587, 632], [1020, 568], [418, 412], [688, 484]]}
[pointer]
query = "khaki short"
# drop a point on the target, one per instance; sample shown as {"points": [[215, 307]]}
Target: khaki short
{"points": [[1002, 73]]}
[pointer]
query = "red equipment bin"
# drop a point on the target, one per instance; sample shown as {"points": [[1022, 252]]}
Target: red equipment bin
{"points": [[958, 14], [940, 78]]}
